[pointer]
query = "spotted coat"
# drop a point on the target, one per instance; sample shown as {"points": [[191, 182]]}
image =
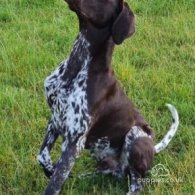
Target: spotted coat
{"points": [[65, 90]]}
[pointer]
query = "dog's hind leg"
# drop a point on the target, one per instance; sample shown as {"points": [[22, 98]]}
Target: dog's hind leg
{"points": [[44, 154], [71, 149]]}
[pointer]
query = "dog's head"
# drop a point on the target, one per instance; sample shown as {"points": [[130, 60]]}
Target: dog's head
{"points": [[114, 14], [141, 155]]}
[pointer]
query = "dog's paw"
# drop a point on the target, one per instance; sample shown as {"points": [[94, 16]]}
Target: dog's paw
{"points": [[132, 193], [135, 189]]}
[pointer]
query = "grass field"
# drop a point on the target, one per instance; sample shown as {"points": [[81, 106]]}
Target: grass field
{"points": [[156, 66]]}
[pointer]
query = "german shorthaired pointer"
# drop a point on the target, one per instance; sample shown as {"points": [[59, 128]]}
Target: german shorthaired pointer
{"points": [[89, 108]]}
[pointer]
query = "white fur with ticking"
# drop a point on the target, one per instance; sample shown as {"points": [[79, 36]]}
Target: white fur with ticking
{"points": [[68, 103], [174, 126], [67, 98]]}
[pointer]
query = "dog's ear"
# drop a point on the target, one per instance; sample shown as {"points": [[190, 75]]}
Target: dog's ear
{"points": [[123, 26]]}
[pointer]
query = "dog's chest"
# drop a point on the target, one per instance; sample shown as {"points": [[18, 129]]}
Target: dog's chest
{"points": [[66, 97]]}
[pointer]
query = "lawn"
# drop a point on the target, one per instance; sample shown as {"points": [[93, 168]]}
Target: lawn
{"points": [[155, 66]]}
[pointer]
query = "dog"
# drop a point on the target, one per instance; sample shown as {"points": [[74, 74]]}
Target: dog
{"points": [[89, 108]]}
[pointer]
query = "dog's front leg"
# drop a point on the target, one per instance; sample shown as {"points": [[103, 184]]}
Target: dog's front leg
{"points": [[70, 150], [44, 154], [136, 185]]}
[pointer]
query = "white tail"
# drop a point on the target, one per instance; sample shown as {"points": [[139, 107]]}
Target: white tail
{"points": [[165, 141]]}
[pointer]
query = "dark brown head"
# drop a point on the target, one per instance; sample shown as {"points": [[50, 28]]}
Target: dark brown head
{"points": [[142, 155], [114, 14]]}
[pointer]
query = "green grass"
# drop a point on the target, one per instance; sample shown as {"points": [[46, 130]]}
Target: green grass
{"points": [[156, 66]]}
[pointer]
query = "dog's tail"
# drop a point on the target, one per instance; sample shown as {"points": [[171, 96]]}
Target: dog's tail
{"points": [[165, 141]]}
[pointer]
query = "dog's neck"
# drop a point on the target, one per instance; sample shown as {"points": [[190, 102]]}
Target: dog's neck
{"points": [[92, 49], [79, 59], [101, 46]]}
